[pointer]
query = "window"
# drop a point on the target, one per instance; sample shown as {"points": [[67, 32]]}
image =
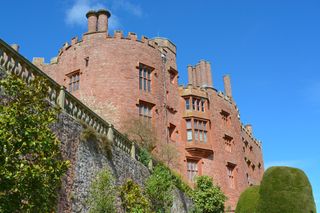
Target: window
{"points": [[202, 106], [189, 130], [198, 104], [194, 103], [74, 81], [192, 169], [173, 75], [171, 130], [145, 78], [145, 112], [226, 118], [228, 141], [230, 174], [199, 130], [253, 167], [187, 104]]}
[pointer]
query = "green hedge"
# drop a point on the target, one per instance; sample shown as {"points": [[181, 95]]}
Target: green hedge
{"points": [[285, 190], [248, 200]]}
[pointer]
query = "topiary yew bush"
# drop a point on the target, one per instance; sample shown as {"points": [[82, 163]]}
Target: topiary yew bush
{"points": [[285, 190], [248, 200]]}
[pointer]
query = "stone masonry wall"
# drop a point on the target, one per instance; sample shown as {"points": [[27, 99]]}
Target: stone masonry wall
{"points": [[87, 161]]}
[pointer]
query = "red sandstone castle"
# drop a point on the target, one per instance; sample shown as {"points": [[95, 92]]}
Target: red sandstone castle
{"points": [[139, 78]]}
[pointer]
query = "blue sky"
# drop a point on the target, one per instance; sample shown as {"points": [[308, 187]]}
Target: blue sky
{"points": [[271, 49]]}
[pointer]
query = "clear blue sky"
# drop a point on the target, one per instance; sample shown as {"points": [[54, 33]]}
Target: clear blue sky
{"points": [[271, 49]]}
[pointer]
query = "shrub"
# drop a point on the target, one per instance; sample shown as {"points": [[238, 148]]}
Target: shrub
{"points": [[248, 200], [138, 131], [159, 188], [133, 199], [285, 190], [102, 193], [145, 156], [31, 165], [207, 197]]}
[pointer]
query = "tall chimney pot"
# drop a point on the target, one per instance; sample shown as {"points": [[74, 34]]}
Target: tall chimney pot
{"points": [[103, 16], [92, 21], [227, 86], [190, 75]]}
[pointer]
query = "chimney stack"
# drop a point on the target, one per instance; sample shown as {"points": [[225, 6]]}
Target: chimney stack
{"points": [[203, 74], [92, 21], [103, 16], [209, 77], [190, 75], [227, 86]]}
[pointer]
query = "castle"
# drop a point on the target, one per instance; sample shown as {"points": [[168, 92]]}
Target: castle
{"points": [[139, 78]]}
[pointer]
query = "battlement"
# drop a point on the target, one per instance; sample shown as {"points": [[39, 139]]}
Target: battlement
{"points": [[40, 61], [248, 130]]}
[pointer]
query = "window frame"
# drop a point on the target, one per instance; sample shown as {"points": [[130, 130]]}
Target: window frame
{"points": [[145, 112], [74, 81], [192, 169], [145, 77]]}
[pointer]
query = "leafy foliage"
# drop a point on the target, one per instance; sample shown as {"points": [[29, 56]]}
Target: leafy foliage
{"points": [[248, 200], [30, 160], [285, 190], [159, 188], [145, 157], [133, 199], [207, 197], [102, 193]]}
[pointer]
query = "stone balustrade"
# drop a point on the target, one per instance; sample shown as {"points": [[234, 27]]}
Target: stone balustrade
{"points": [[11, 61]]}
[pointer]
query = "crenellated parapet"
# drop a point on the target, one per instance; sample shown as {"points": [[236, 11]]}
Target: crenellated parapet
{"points": [[247, 129]]}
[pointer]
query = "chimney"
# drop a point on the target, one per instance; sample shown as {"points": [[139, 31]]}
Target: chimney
{"points": [[194, 77], [203, 73], [190, 75], [15, 47], [198, 75], [92, 21], [208, 72], [103, 16], [227, 86], [248, 127]]}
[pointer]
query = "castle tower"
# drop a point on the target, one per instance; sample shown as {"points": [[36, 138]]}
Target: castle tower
{"points": [[122, 77]]}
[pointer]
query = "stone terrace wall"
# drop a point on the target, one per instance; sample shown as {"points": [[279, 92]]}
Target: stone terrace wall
{"points": [[87, 161]]}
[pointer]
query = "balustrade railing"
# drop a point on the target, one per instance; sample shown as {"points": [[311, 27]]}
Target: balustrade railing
{"points": [[13, 62]]}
